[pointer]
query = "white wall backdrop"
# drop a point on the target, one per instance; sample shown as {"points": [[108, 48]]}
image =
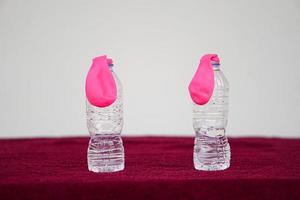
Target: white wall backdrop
{"points": [[46, 49]]}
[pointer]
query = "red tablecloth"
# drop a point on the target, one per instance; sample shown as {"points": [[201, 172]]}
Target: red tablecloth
{"points": [[156, 168]]}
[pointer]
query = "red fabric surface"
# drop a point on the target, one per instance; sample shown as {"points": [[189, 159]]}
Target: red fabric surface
{"points": [[155, 168]]}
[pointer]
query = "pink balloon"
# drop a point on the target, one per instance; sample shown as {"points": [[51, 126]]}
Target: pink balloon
{"points": [[202, 85], [100, 86]]}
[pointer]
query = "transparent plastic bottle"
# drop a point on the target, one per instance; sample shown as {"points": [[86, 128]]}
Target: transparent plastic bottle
{"points": [[106, 151], [211, 147]]}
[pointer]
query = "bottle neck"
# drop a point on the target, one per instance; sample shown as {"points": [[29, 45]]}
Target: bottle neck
{"points": [[111, 67], [216, 66]]}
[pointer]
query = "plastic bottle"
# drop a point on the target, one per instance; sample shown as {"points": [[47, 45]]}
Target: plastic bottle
{"points": [[105, 150], [211, 147]]}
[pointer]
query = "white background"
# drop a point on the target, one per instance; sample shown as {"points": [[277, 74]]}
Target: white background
{"points": [[46, 48]]}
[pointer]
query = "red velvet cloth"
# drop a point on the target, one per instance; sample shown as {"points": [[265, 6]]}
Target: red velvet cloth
{"points": [[156, 168]]}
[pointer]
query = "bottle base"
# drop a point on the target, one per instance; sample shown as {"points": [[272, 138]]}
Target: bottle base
{"points": [[105, 153], [106, 169], [211, 166]]}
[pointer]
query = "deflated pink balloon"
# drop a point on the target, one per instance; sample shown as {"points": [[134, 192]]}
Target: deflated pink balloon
{"points": [[100, 86], [202, 85]]}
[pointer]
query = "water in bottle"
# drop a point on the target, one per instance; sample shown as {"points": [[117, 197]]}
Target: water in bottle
{"points": [[104, 117], [210, 111]]}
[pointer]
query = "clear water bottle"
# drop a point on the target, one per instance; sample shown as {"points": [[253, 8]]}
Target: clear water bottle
{"points": [[105, 150], [211, 147]]}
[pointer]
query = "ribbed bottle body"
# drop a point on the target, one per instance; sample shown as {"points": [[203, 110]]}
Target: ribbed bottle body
{"points": [[211, 147], [106, 151]]}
